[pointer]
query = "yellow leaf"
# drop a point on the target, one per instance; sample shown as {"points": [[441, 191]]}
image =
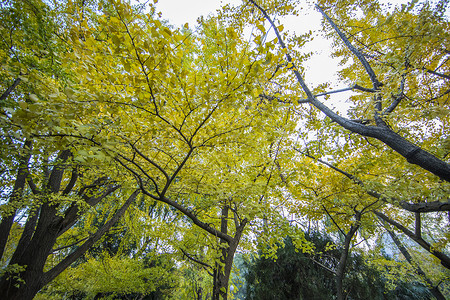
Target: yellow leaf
{"points": [[167, 31], [23, 105], [34, 98], [69, 92], [261, 27], [116, 40]]}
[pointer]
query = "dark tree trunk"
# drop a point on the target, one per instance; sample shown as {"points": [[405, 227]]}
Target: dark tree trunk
{"points": [[220, 283], [43, 226], [340, 272], [222, 271], [16, 194], [35, 256]]}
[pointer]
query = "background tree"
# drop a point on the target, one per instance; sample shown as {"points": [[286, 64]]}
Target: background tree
{"points": [[132, 260], [284, 278]]}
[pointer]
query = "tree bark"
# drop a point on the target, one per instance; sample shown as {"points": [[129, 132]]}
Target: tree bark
{"points": [[16, 194], [340, 272], [222, 271]]}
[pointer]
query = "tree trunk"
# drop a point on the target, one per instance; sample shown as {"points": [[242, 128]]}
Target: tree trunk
{"points": [[222, 271], [220, 286], [33, 258], [340, 272], [16, 194], [35, 255]]}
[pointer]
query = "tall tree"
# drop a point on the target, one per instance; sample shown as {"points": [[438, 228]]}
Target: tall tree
{"points": [[381, 126], [179, 110], [48, 182], [396, 67]]}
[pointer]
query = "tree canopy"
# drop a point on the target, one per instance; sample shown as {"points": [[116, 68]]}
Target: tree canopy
{"points": [[139, 157]]}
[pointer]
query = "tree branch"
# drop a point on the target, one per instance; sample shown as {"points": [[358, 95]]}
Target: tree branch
{"points": [[191, 216], [437, 74], [195, 260], [354, 87], [445, 260], [10, 89], [71, 214], [424, 207], [356, 52], [73, 180], [339, 228], [397, 99], [433, 289], [66, 262], [68, 246]]}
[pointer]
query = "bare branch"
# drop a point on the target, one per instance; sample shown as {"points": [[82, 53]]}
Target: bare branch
{"points": [[397, 99], [339, 228], [354, 87], [68, 246], [437, 73], [323, 266]]}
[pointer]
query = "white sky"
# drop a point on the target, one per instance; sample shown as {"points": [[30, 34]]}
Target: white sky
{"points": [[321, 68], [179, 12]]}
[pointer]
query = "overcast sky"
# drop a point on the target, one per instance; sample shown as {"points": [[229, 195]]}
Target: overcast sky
{"points": [[179, 12], [321, 68]]}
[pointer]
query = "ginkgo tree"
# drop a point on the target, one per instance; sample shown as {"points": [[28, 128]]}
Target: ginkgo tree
{"points": [[104, 100], [178, 111], [396, 65], [200, 140], [45, 188]]}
